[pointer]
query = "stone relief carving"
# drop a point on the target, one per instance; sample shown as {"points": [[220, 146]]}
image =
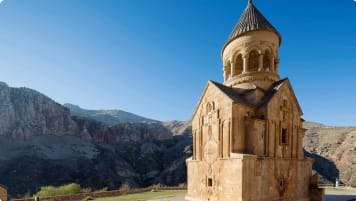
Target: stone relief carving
{"points": [[211, 151], [282, 174], [285, 132], [284, 110]]}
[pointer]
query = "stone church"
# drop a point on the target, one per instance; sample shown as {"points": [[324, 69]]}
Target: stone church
{"points": [[247, 132]]}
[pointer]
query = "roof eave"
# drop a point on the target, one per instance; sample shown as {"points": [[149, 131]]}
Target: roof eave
{"points": [[245, 33]]}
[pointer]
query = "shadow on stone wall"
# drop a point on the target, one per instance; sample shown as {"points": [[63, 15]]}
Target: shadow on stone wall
{"points": [[324, 166]]}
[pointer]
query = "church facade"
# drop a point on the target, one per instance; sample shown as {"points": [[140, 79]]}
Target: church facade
{"points": [[247, 132]]}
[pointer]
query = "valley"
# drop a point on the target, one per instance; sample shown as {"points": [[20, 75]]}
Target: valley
{"points": [[45, 143]]}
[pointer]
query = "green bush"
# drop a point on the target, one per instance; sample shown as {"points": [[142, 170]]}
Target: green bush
{"points": [[103, 189], [88, 198], [69, 189]]}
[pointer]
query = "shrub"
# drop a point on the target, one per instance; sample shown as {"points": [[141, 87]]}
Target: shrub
{"points": [[103, 189], [47, 191], [86, 190], [125, 187], [88, 198]]}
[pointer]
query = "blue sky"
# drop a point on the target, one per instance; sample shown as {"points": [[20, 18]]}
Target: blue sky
{"points": [[154, 57]]}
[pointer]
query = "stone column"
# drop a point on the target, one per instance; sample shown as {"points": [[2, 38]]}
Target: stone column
{"points": [[225, 73], [221, 140], [276, 65], [233, 71], [260, 62], [200, 144], [272, 66], [229, 140], [194, 145], [245, 67]]}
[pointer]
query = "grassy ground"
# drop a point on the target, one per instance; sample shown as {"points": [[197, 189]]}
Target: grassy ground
{"points": [[145, 196]]}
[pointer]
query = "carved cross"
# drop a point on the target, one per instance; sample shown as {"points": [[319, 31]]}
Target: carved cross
{"points": [[284, 109], [210, 118]]}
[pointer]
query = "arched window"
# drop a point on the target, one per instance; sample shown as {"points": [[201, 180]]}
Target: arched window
{"points": [[210, 107], [284, 136], [253, 61], [239, 64], [267, 58]]}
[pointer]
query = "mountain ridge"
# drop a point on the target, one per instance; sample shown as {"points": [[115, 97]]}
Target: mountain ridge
{"points": [[110, 116], [38, 135]]}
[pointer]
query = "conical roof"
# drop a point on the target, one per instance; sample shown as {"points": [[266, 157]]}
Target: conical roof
{"points": [[251, 20]]}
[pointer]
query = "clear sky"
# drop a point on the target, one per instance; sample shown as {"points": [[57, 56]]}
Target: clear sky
{"points": [[154, 57]]}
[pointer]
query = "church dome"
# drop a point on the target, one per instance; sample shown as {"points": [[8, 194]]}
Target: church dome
{"points": [[250, 55], [251, 20]]}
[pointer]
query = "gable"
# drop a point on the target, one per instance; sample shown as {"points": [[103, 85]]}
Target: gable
{"points": [[210, 93], [219, 93], [286, 92]]}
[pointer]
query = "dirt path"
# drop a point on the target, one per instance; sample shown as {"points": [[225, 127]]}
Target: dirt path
{"points": [[176, 198]]}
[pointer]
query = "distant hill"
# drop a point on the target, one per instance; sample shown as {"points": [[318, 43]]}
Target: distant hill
{"points": [[334, 151], [110, 117], [179, 127]]}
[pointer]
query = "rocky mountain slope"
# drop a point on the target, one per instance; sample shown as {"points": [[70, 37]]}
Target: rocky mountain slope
{"points": [[179, 127], [25, 113], [110, 117], [334, 151], [42, 144]]}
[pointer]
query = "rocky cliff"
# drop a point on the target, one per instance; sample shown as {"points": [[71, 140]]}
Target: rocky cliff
{"points": [[121, 133], [25, 113], [334, 151], [41, 143]]}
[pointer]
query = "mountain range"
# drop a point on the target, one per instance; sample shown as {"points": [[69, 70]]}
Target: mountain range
{"points": [[46, 143], [110, 117], [42, 143]]}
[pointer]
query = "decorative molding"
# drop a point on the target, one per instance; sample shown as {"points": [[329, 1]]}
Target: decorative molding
{"points": [[252, 76]]}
